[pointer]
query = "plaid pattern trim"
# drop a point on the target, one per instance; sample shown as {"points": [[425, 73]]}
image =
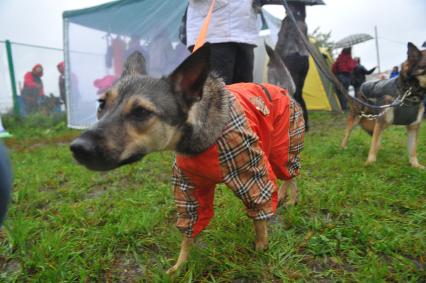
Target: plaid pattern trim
{"points": [[296, 136], [186, 203], [244, 166]]}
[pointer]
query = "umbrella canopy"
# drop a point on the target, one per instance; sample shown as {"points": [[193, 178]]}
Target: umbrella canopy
{"points": [[424, 44], [306, 2], [352, 40]]}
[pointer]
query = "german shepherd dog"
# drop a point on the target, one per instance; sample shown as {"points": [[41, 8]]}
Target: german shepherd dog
{"points": [[411, 81], [243, 135]]}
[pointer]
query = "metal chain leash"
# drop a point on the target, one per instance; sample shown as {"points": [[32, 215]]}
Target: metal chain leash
{"points": [[399, 101]]}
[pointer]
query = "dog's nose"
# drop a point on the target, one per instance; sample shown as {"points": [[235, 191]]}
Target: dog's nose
{"points": [[82, 147]]}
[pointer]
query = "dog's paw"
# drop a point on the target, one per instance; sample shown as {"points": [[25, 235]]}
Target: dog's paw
{"points": [[172, 270], [418, 166], [370, 161], [260, 246], [291, 202]]}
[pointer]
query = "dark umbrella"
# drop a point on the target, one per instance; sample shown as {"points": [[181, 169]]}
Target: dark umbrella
{"points": [[306, 2], [352, 40], [424, 44]]}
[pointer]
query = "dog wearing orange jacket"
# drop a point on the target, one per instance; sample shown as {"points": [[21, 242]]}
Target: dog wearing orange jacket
{"points": [[244, 135]]}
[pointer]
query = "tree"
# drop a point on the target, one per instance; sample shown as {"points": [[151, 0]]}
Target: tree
{"points": [[322, 40]]}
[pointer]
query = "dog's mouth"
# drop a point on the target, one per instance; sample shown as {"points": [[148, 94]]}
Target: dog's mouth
{"points": [[98, 163], [132, 159]]}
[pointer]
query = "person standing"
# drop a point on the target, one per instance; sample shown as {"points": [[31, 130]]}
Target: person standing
{"points": [[359, 73], [233, 32], [61, 82], [343, 68], [293, 52], [394, 73]]}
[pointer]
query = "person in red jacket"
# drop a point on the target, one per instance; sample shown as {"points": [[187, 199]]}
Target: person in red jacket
{"points": [[32, 80], [33, 90], [343, 68]]}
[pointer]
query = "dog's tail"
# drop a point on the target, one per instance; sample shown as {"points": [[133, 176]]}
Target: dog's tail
{"points": [[278, 73]]}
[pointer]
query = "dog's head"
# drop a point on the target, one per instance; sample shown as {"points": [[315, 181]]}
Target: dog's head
{"points": [[415, 65], [141, 114]]}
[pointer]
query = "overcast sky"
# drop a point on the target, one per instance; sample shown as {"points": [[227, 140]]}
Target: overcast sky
{"points": [[398, 21]]}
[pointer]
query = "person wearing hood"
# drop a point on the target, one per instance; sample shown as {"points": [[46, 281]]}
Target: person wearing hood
{"points": [[32, 80], [33, 90]]}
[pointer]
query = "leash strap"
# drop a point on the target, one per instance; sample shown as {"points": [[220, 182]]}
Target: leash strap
{"points": [[204, 28]]}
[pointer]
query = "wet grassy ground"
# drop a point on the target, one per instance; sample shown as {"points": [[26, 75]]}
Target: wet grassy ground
{"points": [[352, 223]]}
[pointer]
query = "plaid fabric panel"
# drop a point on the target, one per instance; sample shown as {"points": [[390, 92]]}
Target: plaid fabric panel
{"points": [[244, 167], [296, 135], [186, 203]]}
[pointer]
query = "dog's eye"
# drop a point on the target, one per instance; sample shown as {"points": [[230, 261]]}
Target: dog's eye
{"points": [[101, 105], [140, 113]]}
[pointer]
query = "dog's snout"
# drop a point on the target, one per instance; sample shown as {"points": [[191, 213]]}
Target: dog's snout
{"points": [[87, 150], [82, 147]]}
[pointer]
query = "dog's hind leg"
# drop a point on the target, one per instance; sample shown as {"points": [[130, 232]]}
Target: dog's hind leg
{"points": [[185, 247], [261, 242], [375, 142], [353, 120], [413, 131]]}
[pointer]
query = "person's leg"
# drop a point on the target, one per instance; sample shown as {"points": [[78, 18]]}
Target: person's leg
{"points": [[222, 60], [298, 67], [303, 72], [5, 182], [357, 87], [244, 63], [345, 81]]}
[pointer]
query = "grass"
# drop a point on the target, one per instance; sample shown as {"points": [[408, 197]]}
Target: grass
{"points": [[353, 223]]}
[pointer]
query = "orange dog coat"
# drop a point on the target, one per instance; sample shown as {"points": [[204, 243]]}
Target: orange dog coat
{"points": [[261, 142]]}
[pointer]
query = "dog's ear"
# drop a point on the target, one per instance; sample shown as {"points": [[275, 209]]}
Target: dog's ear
{"points": [[134, 65], [277, 71], [190, 76], [413, 53], [269, 50]]}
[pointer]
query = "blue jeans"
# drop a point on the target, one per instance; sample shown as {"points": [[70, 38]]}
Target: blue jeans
{"points": [[5, 181]]}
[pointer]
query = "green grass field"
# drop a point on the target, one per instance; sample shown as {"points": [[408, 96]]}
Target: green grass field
{"points": [[353, 223]]}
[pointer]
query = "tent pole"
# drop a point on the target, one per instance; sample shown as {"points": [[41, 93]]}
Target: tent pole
{"points": [[67, 70], [377, 49], [16, 109]]}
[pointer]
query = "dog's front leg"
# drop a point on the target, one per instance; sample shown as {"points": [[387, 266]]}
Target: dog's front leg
{"points": [[413, 132], [375, 142], [261, 229], [353, 120], [183, 254]]}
